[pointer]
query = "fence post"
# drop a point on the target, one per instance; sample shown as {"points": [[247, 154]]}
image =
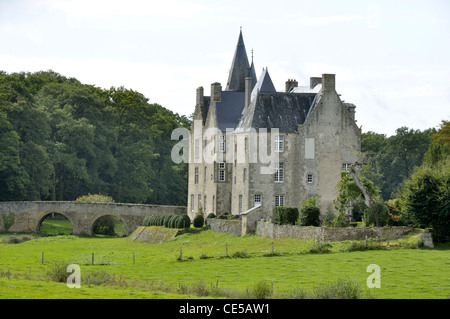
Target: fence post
{"points": [[42, 260], [92, 258]]}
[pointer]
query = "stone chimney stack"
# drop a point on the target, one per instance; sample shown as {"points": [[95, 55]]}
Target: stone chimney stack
{"points": [[313, 81], [328, 82], [351, 109], [216, 92], [248, 91], [290, 84], [200, 97]]}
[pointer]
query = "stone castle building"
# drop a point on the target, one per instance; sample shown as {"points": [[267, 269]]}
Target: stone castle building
{"points": [[251, 145]]}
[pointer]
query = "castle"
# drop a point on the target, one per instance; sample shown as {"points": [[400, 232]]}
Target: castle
{"points": [[251, 145]]}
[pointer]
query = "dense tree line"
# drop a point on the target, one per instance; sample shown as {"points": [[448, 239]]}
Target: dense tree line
{"points": [[61, 139]]}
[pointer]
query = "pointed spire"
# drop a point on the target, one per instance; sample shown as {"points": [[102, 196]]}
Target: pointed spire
{"points": [[239, 68], [264, 84], [252, 73]]}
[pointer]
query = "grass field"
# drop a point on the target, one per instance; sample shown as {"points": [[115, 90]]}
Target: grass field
{"points": [[156, 270]]}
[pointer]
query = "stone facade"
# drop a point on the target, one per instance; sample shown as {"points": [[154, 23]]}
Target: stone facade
{"points": [[257, 146], [28, 216]]}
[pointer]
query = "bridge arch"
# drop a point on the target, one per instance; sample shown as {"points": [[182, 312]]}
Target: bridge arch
{"points": [[106, 219], [54, 216]]}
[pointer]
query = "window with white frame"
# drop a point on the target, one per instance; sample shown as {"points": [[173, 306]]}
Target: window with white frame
{"points": [[279, 172], [258, 199], [222, 143], [279, 200], [222, 172], [346, 167], [309, 179], [279, 143]]}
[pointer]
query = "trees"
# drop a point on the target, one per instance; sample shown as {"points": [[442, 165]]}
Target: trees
{"points": [[60, 139], [392, 159], [424, 198]]}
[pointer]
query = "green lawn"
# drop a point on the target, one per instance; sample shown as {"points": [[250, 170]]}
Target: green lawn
{"points": [[405, 272]]}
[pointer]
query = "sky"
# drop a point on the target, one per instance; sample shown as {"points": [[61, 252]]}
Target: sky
{"points": [[391, 58]]}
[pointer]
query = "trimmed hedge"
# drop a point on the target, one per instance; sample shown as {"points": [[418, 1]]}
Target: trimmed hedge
{"points": [[169, 221], [285, 215], [199, 221], [310, 216]]}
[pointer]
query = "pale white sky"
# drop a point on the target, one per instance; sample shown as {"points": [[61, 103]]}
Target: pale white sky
{"points": [[391, 58]]}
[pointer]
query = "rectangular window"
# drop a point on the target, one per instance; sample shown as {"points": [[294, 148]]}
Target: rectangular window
{"points": [[346, 167], [196, 176], [199, 204], [222, 172], [222, 143], [240, 203], [258, 199], [279, 143], [279, 172], [245, 175], [309, 179], [197, 148], [279, 200], [192, 202], [204, 177]]}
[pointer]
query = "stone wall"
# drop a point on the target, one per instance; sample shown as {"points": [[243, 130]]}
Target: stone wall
{"points": [[231, 227], [270, 230]]}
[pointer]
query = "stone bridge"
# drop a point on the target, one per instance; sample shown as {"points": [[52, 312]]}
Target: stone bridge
{"points": [[28, 216]]}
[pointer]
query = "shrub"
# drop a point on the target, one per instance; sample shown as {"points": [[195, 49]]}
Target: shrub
{"points": [[328, 218], [310, 216], [211, 215], [341, 220], [262, 290], [240, 254], [341, 289], [285, 215], [199, 221], [58, 272], [183, 221], [95, 198]]}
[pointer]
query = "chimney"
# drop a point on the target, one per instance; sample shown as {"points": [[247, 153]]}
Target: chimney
{"points": [[313, 81], [290, 84], [200, 97], [216, 92], [248, 91], [328, 82], [351, 109]]}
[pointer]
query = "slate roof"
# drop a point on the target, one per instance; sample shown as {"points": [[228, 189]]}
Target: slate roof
{"points": [[229, 109], [277, 110]]}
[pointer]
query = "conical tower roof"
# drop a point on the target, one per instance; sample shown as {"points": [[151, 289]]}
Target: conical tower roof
{"points": [[239, 68]]}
